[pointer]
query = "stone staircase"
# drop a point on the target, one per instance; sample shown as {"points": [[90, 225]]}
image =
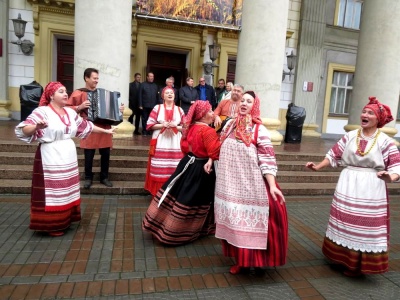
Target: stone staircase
{"points": [[128, 168]]}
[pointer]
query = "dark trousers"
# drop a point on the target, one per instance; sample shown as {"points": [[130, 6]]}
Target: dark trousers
{"points": [[104, 162], [137, 114], [145, 116]]}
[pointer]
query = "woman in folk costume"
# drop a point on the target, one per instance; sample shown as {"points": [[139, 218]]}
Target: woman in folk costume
{"points": [[165, 151], [182, 210], [358, 229], [250, 211], [55, 194]]}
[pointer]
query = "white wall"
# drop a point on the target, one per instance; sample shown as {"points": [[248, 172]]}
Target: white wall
{"points": [[21, 67]]}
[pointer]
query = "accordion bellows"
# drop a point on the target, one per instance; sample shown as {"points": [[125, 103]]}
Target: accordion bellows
{"points": [[104, 107]]}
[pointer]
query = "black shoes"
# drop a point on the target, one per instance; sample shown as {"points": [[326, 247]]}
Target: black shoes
{"points": [[145, 132], [137, 133], [87, 184], [106, 182]]}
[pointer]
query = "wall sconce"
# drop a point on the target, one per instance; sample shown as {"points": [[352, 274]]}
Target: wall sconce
{"points": [[25, 46], [291, 64], [214, 50]]}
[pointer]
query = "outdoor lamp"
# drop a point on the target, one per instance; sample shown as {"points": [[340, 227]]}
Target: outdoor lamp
{"points": [[291, 64], [214, 50], [25, 46]]}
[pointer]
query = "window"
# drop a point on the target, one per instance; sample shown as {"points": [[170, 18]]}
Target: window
{"points": [[348, 13], [341, 91]]}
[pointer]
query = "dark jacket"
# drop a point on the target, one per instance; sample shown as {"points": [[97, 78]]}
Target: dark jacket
{"points": [[148, 95], [134, 95], [186, 95], [210, 94], [219, 92]]}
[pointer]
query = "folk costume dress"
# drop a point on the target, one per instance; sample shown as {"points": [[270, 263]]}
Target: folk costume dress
{"points": [[358, 229], [186, 212], [252, 226], [55, 194], [165, 150]]}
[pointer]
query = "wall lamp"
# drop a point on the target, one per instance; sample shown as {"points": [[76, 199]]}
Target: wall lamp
{"points": [[291, 64], [214, 50], [25, 46]]}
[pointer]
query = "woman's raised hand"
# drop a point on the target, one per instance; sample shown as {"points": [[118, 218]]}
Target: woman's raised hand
{"points": [[311, 166], [41, 124]]}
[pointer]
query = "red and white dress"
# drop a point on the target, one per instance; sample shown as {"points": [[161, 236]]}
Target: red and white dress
{"points": [[165, 143], [186, 212], [252, 227], [55, 196], [358, 227]]}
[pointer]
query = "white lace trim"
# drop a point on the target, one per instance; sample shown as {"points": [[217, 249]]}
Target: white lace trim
{"points": [[356, 245]]}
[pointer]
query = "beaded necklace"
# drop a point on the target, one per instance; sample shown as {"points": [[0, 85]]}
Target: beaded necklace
{"points": [[370, 148]]}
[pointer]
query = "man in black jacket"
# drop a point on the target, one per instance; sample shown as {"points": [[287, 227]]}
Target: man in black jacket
{"points": [[219, 90], [134, 87], [148, 98], [206, 92], [188, 94]]}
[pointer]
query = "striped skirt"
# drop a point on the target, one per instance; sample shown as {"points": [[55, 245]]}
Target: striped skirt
{"points": [[40, 219], [277, 245], [357, 261], [187, 212]]}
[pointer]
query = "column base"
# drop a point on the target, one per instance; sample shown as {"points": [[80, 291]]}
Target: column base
{"points": [[310, 130], [390, 131], [272, 125], [5, 114], [125, 129]]}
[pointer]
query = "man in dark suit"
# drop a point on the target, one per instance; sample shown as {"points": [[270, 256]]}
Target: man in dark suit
{"points": [[187, 95], [206, 92], [134, 87], [148, 98]]}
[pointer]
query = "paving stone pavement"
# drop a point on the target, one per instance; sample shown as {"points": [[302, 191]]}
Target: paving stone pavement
{"points": [[108, 256]]}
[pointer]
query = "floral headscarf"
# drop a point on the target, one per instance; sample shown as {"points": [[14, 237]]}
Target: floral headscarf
{"points": [[49, 91], [243, 125], [381, 111], [197, 111]]}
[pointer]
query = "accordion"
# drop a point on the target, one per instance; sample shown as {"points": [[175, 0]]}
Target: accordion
{"points": [[104, 107]]}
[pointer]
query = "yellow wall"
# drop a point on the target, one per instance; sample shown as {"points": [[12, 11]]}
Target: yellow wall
{"points": [[183, 39]]}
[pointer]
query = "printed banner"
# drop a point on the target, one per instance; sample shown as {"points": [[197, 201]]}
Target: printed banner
{"points": [[227, 12]]}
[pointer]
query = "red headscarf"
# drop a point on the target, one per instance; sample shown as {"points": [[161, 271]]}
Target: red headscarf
{"points": [[244, 123], [164, 90], [49, 91], [382, 111], [196, 111]]}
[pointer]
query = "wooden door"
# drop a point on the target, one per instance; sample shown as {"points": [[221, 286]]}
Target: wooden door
{"points": [[65, 64]]}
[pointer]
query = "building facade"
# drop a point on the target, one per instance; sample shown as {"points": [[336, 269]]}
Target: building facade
{"points": [[139, 36]]}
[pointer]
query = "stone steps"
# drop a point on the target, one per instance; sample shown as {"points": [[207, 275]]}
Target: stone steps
{"points": [[128, 168], [16, 186]]}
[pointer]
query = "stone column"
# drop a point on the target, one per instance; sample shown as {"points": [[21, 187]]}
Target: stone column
{"points": [[377, 66], [103, 41], [4, 103], [261, 52], [309, 57]]}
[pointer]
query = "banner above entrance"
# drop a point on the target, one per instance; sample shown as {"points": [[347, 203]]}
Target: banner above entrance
{"points": [[226, 12]]}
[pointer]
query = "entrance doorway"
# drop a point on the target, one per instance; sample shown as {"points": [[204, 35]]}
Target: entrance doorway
{"points": [[65, 64], [166, 64], [230, 77]]}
